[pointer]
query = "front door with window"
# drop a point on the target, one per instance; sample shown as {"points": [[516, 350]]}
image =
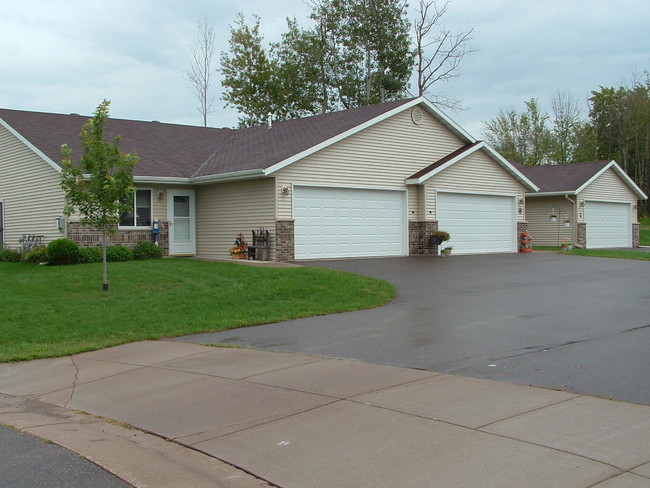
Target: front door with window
{"points": [[180, 214]]}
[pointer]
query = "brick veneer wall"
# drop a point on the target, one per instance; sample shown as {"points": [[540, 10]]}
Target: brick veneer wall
{"points": [[285, 240], [521, 228], [87, 236], [420, 238], [582, 234], [636, 235]]}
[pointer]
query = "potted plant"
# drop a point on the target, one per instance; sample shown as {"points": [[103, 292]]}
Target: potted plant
{"points": [[567, 223], [238, 250], [567, 244], [438, 237], [446, 252], [552, 217]]}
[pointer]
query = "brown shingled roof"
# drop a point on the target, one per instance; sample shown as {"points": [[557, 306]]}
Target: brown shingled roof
{"points": [[562, 178], [171, 150]]}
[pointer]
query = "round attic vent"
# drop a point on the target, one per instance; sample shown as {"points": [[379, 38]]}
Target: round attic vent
{"points": [[416, 115]]}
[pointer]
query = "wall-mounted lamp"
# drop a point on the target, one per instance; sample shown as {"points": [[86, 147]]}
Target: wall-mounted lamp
{"points": [[285, 190], [160, 195], [59, 223]]}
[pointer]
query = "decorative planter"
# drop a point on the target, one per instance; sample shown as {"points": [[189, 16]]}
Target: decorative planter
{"points": [[567, 224], [567, 248], [238, 256], [553, 219]]}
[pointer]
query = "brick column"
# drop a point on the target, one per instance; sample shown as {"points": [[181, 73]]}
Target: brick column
{"points": [[420, 238], [285, 240], [636, 235], [521, 228], [582, 234]]}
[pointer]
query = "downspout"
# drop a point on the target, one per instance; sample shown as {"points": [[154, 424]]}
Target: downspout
{"points": [[574, 232]]}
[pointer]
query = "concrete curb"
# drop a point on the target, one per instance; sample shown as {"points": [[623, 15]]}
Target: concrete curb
{"points": [[137, 457]]}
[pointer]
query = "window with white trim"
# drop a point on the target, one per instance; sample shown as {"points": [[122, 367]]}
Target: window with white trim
{"points": [[141, 214]]}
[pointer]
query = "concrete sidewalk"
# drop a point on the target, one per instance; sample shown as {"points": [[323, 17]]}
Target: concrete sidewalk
{"points": [[216, 417]]}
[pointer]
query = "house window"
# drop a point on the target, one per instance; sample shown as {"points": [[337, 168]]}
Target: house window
{"points": [[140, 216]]}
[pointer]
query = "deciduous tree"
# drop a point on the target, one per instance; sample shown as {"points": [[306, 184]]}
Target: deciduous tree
{"points": [[100, 187], [438, 51], [201, 71]]}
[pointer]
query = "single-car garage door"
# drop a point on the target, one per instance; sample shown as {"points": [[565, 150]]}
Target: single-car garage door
{"points": [[478, 223], [608, 224], [347, 222]]}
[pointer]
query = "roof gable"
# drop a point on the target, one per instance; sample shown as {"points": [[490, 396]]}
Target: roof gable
{"points": [[461, 153], [574, 178]]}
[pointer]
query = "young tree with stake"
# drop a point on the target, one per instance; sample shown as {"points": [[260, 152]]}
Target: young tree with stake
{"points": [[100, 187]]}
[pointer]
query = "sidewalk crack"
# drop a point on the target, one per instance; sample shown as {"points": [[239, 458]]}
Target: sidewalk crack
{"points": [[74, 383]]}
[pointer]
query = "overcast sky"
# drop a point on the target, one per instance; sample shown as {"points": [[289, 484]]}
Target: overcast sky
{"points": [[66, 56]]}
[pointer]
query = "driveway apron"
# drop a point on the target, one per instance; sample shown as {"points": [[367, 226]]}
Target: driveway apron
{"points": [[567, 322]]}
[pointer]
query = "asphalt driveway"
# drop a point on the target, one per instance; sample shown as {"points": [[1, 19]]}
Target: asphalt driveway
{"points": [[567, 322]]}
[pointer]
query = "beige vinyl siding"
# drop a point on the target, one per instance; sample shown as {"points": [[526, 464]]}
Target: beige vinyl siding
{"points": [[224, 210], [379, 157], [543, 231], [29, 189], [159, 204], [477, 173], [609, 187]]}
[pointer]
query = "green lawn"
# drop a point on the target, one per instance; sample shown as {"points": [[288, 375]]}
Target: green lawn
{"points": [[645, 231], [604, 253], [50, 311]]}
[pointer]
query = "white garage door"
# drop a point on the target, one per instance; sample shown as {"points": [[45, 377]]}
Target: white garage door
{"points": [[478, 223], [608, 224], [342, 222]]}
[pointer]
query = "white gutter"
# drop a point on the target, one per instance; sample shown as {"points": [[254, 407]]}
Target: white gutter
{"points": [[551, 194], [201, 180]]}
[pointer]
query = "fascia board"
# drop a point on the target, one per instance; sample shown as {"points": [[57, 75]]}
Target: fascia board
{"points": [[201, 180], [442, 167], [550, 194], [333, 140], [446, 120], [33, 148], [619, 171], [509, 167]]}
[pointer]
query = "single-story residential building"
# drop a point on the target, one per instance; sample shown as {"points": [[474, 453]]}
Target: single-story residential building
{"points": [[371, 181], [593, 204]]}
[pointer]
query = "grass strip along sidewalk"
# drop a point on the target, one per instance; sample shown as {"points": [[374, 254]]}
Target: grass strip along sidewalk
{"points": [[50, 311]]}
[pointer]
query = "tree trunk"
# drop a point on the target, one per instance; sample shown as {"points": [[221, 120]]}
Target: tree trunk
{"points": [[105, 272]]}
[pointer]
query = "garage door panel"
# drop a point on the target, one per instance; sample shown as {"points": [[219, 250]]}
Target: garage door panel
{"points": [[335, 222], [608, 224], [478, 223]]}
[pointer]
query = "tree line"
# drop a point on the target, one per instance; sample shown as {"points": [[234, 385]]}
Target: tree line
{"points": [[617, 126], [351, 53]]}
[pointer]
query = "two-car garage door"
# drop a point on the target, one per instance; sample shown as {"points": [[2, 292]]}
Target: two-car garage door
{"points": [[349, 222]]}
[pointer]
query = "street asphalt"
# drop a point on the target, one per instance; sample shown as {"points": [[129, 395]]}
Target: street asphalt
{"points": [[30, 462], [565, 322]]}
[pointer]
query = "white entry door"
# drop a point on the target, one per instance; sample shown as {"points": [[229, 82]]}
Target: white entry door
{"points": [[182, 227]]}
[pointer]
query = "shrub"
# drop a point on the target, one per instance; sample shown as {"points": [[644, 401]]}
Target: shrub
{"points": [[147, 250], [10, 255], [90, 255], [118, 253], [36, 255], [63, 251]]}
